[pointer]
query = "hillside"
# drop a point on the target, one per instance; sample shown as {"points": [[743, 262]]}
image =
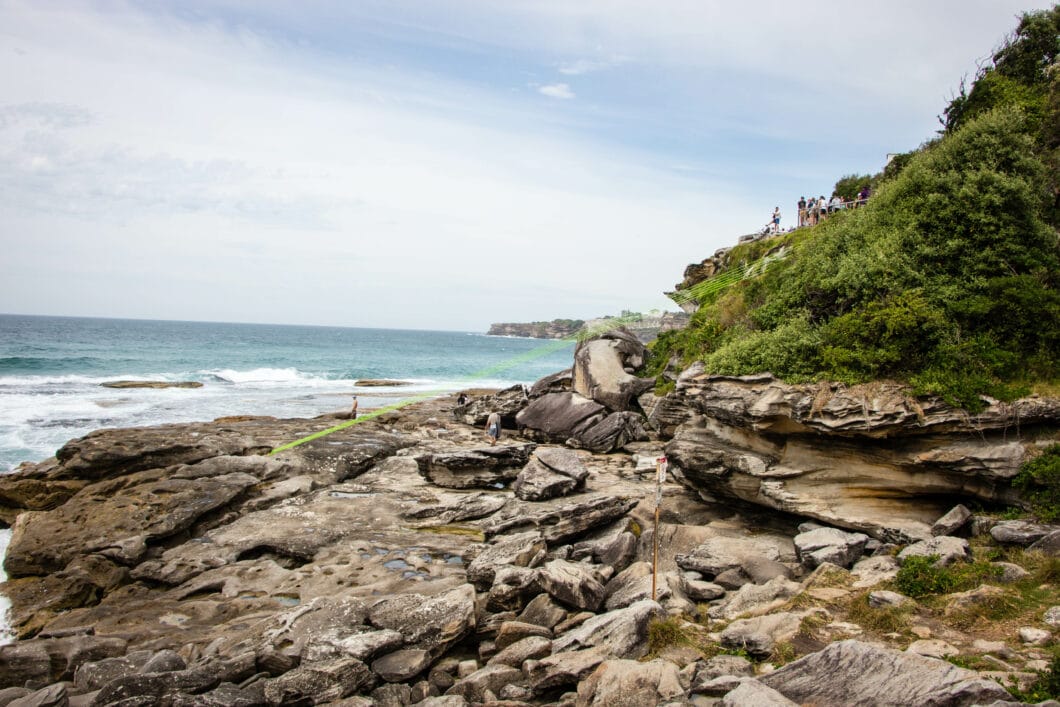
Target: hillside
{"points": [[947, 279]]}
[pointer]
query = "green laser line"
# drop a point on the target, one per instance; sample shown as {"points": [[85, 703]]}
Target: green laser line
{"points": [[497, 368]]}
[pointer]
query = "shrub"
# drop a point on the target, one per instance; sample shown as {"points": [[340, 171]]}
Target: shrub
{"points": [[919, 577], [1039, 479]]}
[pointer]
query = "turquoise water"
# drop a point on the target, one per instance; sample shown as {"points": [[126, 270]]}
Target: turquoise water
{"points": [[51, 369]]}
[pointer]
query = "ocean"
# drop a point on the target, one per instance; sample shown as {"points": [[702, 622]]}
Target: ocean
{"points": [[51, 369]]}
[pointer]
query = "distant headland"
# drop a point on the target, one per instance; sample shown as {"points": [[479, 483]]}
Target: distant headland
{"points": [[645, 326]]}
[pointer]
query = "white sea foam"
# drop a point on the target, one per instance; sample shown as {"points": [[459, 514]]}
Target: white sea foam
{"points": [[6, 634]]}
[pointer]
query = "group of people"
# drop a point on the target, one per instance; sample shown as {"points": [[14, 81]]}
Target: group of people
{"points": [[818, 208]]}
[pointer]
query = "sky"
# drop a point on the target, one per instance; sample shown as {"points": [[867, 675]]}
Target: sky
{"points": [[443, 164]]}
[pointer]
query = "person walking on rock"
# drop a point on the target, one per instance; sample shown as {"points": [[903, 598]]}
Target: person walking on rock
{"points": [[776, 220], [353, 410], [493, 427]]}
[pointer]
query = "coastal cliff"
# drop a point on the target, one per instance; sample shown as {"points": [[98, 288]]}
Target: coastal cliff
{"points": [[646, 327]]}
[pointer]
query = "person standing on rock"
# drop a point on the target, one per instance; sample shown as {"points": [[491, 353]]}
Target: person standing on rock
{"points": [[493, 427], [353, 411]]}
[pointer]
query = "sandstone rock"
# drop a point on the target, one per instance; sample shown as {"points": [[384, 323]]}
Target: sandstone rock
{"points": [[572, 583], [829, 451], [752, 693], [521, 550], [932, 648], [563, 668], [698, 590], [874, 570], [1050, 544], [52, 696], [852, 672], [156, 687], [722, 665], [48, 660], [558, 382], [490, 679], [1034, 636], [319, 683], [883, 598], [507, 403], [432, 623], [617, 683], [600, 369], [150, 506], [469, 506], [531, 647], [401, 665], [163, 661], [538, 481], [512, 632], [954, 520], [718, 554], [754, 599], [732, 579], [94, 675], [1052, 616], [633, 584], [512, 586], [829, 545], [613, 432], [543, 611], [475, 468], [387, 695], [556, 417], [1010, 572], [948, 549], [1020, 532], [622, 633], [561, 521], [758, 635], [762, 569]]}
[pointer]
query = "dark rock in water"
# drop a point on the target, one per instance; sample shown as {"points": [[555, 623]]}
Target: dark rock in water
{"points": [[379, 383], [852, 672], [151, 384], [602, 365], [475, 468]]}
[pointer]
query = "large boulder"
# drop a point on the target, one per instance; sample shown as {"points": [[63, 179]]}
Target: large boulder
{"points": [[572, 583], [47, 660], [872, 458], [829, 545], [718, 554], [852, 672], [560, 521], [521, 549], [604, 366], [946, 548]]}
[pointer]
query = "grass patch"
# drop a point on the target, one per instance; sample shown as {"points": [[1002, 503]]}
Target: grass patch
{"points": [[1046, 687], [885, 619], [783, 653], [674, 631], [920, 576], [992, 607]]}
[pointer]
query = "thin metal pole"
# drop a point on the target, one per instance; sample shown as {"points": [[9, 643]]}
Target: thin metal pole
{"points": [[660, 473]]}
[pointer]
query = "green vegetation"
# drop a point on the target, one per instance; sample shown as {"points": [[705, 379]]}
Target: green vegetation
{"points": [[948, 279], [920, 576], [884, 619], [1039, 479], [1046, 687]]}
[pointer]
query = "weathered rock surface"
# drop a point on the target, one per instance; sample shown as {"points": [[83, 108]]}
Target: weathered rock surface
{"points": [[576, 420], [852, 672], [622, 633], [573, 584], [475, 468], [603, 369], [946, 548], [870, 458], [552, 472], [829, 545], [617, 683], [507, 403]]}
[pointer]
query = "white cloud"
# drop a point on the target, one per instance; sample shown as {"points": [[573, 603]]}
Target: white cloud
{"points": [[587, 66], [557, 90]]}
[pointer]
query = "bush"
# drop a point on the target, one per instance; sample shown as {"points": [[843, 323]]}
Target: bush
{"points": [[919, 576], [1039, 479]]}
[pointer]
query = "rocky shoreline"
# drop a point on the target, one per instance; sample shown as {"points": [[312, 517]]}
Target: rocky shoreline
{"points": [[402, 560]]}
